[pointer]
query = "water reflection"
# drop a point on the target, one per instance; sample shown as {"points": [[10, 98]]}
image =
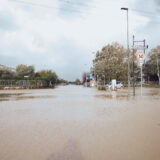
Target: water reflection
{"points": [[123, 94], [21, 96]]}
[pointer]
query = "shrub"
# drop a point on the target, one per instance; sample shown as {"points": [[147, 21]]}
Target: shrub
{"points": [[102, 88]]}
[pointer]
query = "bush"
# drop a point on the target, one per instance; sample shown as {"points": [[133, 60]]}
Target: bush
{"points": [[48, 76], [78, 82], [102, 88]]}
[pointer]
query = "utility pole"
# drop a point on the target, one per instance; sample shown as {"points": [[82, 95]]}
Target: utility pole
{"points": [[158, 68], [133, 57], [140, 59], [144, 44], [141, 77], [144, 50]]}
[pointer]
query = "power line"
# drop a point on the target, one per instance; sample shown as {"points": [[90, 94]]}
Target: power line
{"points": [[89, 5], [146, 13], [71, 3], [46, 6]]}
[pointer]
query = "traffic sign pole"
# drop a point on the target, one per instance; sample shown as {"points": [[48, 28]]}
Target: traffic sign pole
{"points": [[141, 58], [133, 56], [141, 77]]}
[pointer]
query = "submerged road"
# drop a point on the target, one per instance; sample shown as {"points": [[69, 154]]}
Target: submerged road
{"points": [[77, 123]]}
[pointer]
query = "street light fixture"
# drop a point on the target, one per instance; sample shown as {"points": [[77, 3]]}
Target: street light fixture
{"points": [[126, 9]]}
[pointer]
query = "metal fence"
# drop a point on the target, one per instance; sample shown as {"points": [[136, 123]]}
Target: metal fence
{"points": [[23, 83]]}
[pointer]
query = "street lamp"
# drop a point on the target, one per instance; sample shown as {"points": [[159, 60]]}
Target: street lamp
{"points": [[126, 9]]}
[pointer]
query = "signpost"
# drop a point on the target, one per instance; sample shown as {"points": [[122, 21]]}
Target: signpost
{"points": [[140, 58]]}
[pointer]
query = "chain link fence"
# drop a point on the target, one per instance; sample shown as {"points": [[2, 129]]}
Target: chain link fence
{"points": [[23, 83]]}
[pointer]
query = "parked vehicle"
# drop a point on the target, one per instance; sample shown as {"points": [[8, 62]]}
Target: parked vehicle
{"points": [[118, 84], [109, 85]]}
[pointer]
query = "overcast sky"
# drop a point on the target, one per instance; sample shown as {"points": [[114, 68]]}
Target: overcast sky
{"points": [[63, 34]]}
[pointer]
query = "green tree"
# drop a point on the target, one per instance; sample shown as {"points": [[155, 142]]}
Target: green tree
{"points": [[111, 62], [48, 76], [6, 73], [78, 82], [152, 66], [24, 70]]}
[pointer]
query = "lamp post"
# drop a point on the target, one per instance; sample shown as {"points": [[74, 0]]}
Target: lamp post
{"points": [[126, 9]]}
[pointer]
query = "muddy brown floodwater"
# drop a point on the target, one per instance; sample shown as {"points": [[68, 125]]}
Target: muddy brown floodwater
{"points": [[77, 123]]}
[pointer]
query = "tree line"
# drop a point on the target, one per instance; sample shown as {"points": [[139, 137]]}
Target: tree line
{"points": [[24, 72], [112, 63], [152, 66]]}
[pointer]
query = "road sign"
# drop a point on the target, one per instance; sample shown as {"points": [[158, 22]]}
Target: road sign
{"points": [[141, 56], [140, 47]]}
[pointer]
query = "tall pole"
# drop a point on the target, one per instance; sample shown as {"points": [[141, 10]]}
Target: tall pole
{"points": [[144, 44], [128, 53], [144, 49], [158, 68], [133, 57], [141, 78], [126, 9]]}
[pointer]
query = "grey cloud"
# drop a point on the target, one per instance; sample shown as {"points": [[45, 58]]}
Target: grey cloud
{"points": [[65, 58], [7, 21], [150, 9], [151, 30], [146, 6], [8, 61], [157, 2], [70, 60], [73, 8]]}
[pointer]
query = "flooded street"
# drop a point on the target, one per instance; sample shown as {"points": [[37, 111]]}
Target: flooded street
{"points": [[77, 123]]}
